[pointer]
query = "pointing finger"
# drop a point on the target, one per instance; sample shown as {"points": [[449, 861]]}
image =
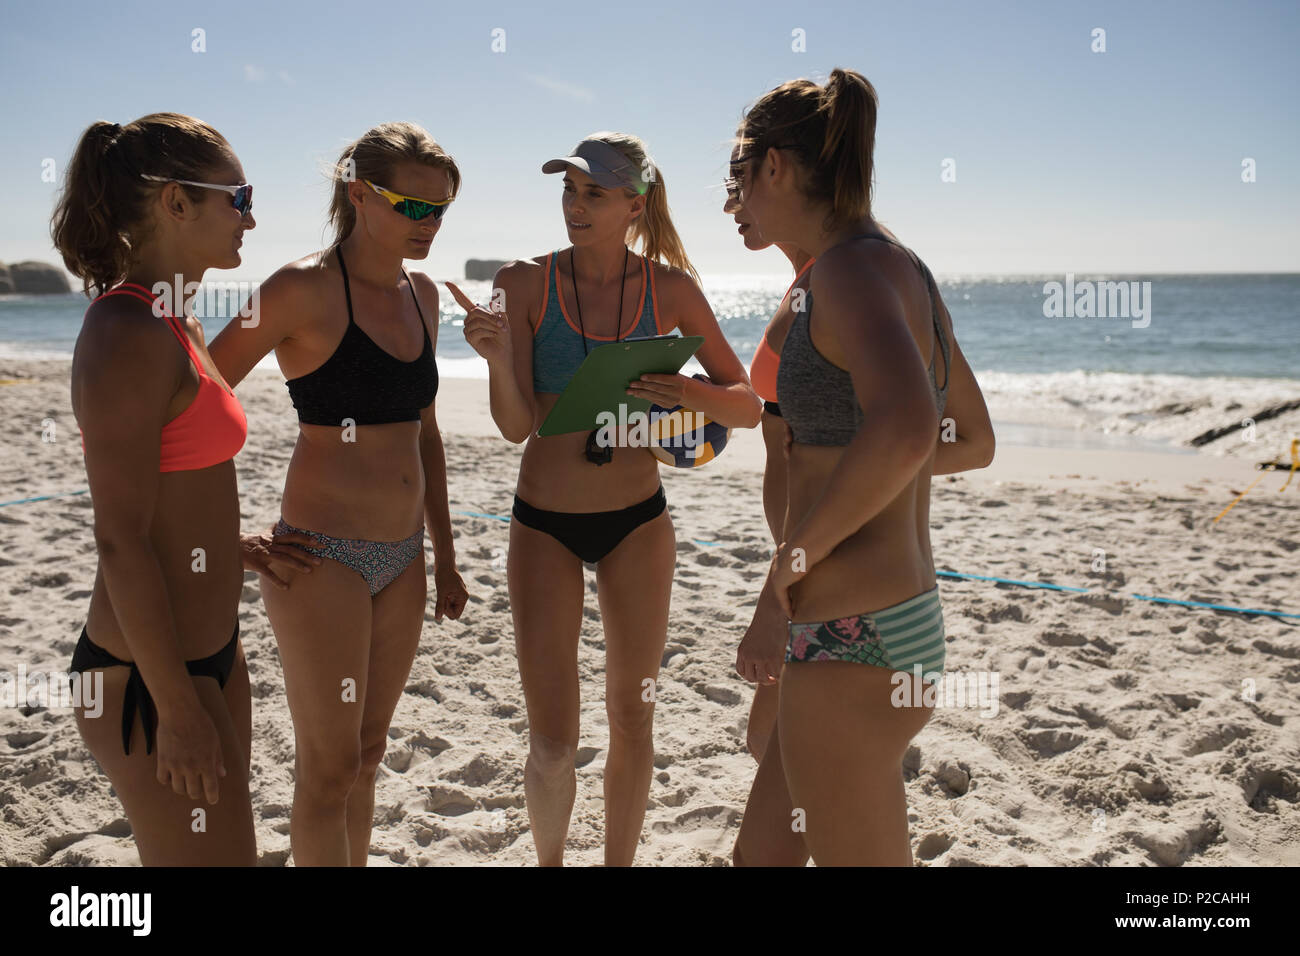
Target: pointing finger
{"points": [[461, 298]]}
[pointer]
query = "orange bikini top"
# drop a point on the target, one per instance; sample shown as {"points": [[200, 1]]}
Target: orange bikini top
{"points": [[762, 368], [212, 428]]}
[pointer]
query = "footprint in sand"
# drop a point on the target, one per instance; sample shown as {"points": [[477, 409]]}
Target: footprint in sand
{"points": [[719, 695], [447, 801], [1262, 788], [1175, 844], [933, 845], [1050, 742], [1215, 738]]}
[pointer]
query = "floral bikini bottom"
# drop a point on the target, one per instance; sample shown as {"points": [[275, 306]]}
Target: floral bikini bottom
{"points": [[898, 637]]}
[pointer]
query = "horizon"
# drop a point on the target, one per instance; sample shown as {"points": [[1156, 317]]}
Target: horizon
{"points": [[1012, 140]]}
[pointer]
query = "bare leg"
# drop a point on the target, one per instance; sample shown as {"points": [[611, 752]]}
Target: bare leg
{"points": [[767, 835], [239, 702], [545, 583], [762, 719], [634, 584], [167, 830], [843, 744], [397, 618], [322, 625]]}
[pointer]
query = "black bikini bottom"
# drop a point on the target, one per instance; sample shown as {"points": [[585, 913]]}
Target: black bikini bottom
{"points": [[591, 534], [88, 654], [772, 408]]}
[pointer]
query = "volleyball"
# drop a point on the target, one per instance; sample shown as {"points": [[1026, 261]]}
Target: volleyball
{"points": [[685, 438]]}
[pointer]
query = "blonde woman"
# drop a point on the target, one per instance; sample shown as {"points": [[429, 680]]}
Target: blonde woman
{"points": [[355, 335], [579, 503]]}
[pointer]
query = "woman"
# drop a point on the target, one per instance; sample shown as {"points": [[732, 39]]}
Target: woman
{"points": [[579, 502], [762, 374], [766, 837], [154, 205], [765, 834], [354, 337], [854, 575]]}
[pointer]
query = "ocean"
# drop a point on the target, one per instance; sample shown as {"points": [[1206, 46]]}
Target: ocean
{"points": [[1050, 352]]}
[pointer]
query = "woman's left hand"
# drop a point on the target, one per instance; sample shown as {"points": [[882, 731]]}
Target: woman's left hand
{"points": [[451, 594], [783, 574], [666, 391]]}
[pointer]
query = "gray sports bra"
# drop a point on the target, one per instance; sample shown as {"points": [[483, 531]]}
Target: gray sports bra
{"points": [[817, 397]]}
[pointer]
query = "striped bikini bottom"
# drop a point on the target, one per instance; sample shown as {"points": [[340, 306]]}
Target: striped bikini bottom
{"points": [[898, 637], [378, 562]]}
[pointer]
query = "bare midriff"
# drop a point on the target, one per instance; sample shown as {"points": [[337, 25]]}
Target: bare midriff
{"points": [[194, 510], [370, 487], [555, 474], [886, 561]]}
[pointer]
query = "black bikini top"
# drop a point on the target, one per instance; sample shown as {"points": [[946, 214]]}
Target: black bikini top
{"points": [[362, 382]]}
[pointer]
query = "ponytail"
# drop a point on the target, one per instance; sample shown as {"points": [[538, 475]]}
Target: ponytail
{"points": [[101, 215], [832, 131], [847, 151], [654, 227]]}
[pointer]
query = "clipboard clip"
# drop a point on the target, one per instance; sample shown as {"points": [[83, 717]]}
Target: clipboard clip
{"points": [[596, 454]]}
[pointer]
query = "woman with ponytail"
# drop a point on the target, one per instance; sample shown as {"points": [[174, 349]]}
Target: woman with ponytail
{"points": [[577, 502], [147, 209], [859, 641], [355, 335]]}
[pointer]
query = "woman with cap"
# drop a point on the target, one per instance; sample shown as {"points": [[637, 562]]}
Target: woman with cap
{"points": [[578, 502]]}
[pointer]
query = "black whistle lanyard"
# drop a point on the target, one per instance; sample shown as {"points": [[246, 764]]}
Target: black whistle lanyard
{"points": [[595, 453]]}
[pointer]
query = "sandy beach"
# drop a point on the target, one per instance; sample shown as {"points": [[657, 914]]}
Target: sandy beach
{"points": [[1125, 731]]}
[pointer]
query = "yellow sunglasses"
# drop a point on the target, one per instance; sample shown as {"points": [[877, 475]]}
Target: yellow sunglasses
{"points": [[410, 206]]}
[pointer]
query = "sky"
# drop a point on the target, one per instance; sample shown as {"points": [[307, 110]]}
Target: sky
{"points": [[1067, 159]]}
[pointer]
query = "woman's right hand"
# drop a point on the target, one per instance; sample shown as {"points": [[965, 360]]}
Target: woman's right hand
{"points": [[761, 655], [189, 753], [488, 333]]}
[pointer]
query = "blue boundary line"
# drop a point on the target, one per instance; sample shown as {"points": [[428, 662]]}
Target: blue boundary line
{"points": [[1140, 597], [1043, 585], [61, 494]]}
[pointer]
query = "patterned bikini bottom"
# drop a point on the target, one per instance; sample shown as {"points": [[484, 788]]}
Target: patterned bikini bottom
{"points": [[378, 562], [898, 637]]}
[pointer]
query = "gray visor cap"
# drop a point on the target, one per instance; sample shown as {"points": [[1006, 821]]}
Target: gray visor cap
{"points": [[603, 163]]}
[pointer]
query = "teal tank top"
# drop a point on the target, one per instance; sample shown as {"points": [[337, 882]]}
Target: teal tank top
{"points": [[557, 339]]}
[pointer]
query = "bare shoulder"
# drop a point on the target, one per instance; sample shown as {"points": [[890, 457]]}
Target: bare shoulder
{"points": [[522, 280], [865, 273], [522, 272], [305, 277], [300, 282], [426, 290], [123, 342], [122, 326], [673, 286], [297, 292]]}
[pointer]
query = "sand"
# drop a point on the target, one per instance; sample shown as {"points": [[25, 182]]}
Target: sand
{"points": [[1125, 732]]}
